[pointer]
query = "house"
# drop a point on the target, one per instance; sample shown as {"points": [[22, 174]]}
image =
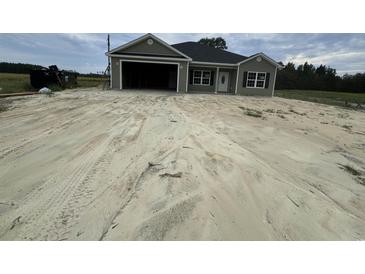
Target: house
{"points": [[150, 63]]}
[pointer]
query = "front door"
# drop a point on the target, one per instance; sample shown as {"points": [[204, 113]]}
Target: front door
{"points": [[223, 81]]}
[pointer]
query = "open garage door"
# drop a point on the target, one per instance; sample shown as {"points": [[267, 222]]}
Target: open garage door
{"points": [[142, 75]]}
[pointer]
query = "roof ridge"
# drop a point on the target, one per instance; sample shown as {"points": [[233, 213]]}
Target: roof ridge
{"points": [[226, 51]]}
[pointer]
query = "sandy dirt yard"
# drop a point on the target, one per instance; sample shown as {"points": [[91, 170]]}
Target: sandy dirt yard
{"points": [[109, 165]]}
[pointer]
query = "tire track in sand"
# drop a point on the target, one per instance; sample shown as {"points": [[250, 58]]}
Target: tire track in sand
{"points": [[41, 206]]}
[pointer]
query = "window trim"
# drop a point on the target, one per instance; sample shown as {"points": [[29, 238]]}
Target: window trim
{"points": [[255, 84], [201, 77]]}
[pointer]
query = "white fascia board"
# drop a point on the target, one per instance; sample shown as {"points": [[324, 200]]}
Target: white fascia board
{"points": [[148, 35], [213, 64], [168, 46], [148, 57], [263, 55], [131, 43]]}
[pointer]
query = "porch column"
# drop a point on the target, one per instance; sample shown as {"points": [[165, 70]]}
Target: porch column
{"points": [[187, 77], [216, 80]]}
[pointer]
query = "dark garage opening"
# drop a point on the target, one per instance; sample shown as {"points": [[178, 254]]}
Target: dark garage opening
{"points": [[138, 75]]}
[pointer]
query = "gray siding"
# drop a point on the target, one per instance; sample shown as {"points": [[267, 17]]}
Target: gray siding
{"points": [[212, 88], [155, 49], [201, 88], [115, 65], [115, 70], [262, 66], [195, 88]]}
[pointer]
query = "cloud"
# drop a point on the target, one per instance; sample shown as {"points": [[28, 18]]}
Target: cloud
{"points": [[327, 58], [85, 52]]}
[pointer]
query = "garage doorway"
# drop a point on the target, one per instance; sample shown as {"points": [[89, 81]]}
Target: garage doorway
{"points": [[149, 75]]}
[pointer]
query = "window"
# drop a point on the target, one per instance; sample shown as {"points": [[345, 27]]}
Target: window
{"points": [[206, 78], [197, 77], [201, 77], [251, 79], [256, 79]]}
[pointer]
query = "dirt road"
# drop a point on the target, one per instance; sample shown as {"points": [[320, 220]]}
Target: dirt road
{"points": [[96, 165]]}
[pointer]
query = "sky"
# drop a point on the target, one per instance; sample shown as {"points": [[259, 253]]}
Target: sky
{"points": [[85, 52]]}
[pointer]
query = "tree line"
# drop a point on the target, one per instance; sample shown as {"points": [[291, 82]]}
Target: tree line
{"points": [[17, 67], [308, 77]]}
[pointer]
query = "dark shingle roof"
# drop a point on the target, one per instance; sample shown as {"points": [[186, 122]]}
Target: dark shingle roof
{"points": [[203, 53]]}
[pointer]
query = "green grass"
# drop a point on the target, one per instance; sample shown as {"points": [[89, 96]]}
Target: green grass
{"points": [[14, 83], [323, 97], [88, 82]]}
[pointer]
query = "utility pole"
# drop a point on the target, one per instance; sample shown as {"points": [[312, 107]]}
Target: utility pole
{"points": [[108, 42], [107, 71]]}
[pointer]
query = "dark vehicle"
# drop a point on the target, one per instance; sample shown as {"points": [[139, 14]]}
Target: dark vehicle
{"points": [[47, 77]]}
